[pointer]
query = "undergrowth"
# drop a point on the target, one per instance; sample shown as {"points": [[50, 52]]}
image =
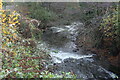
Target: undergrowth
{"points": [[18, 53]]}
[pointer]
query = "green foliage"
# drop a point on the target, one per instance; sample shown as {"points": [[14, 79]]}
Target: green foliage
{"points": [[47, 74], [40, 13], [110, 29], [109, 25], [18, 58], [89, 12], [55, 51]]}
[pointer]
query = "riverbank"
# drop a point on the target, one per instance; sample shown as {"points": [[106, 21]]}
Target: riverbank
{"points": [[67, 57], [68, 39]]}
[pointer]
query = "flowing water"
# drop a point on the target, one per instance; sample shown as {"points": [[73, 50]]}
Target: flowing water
{"points": [[60, 41]]}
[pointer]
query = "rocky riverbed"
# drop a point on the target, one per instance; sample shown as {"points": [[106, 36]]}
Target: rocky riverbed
{"points": [[67, 57]]}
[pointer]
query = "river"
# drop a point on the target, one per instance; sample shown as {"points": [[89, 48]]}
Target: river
{"points": [[66, 57]]}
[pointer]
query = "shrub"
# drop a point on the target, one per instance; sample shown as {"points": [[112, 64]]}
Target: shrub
{"points": [[40, 13], [110, 28], [18, 58]]}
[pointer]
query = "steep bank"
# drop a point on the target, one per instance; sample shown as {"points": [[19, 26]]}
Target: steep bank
{"points": [[88, 37]]}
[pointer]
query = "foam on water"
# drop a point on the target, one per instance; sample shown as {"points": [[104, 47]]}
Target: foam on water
{"points": [[60, 56]]}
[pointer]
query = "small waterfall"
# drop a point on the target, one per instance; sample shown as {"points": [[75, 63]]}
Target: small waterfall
{"points": [[60, 56], [60, 41]]}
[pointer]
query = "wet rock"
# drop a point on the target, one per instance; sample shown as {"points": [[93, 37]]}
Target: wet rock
{"points": [[54, 63], [82, 68], [73, 40], [75, 50]]}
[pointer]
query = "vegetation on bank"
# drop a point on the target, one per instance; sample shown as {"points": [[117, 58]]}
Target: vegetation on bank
{"points": [[35, 10], [102, 27], [111, 30], [15, 55], [102, 31], [20, 57], [100, 21]]}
